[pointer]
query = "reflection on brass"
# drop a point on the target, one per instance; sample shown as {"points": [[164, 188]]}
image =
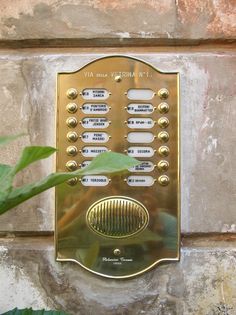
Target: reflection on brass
{"points": [[73, 181], [163, 136], [117, 252], [163, 122], [117, 217], [163, 166], [164, 151], [72, 108], [72, 93], [163, 94], [71, 122], [72, 136], [71, 165], [71, 150], [118, 78], [118, 230], [163, 180], [163, 108]]}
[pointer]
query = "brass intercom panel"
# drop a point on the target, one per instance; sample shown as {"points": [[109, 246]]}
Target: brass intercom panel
{"points": [[123, 225]]}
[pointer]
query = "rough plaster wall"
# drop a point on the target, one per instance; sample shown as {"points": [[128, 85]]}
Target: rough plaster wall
{"points": [[204, 281]]}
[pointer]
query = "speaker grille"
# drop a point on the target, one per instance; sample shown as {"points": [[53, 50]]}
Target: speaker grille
{"points": [[117, 217]]}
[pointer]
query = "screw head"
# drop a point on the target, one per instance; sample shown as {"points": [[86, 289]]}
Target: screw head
{"points": [[117, 252], [118, 78]]}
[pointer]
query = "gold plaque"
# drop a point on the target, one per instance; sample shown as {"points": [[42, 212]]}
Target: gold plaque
{"points": [[119, 226]]}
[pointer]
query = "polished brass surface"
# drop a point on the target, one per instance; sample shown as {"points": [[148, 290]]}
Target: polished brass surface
{"points": [[71, 122], [72, 136], [71, 150], [163, 94], [116, 226], [72, 181], [163, 136], [72, 108], [117, 252], [71, 165], [163, 180], [164, 151], [117, 217], [163, 166], [72, 93], [163, 108], [163, 122]]}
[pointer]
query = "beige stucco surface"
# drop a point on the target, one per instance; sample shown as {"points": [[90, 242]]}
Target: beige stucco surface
{"points": [[27, 104], [39, 38]]}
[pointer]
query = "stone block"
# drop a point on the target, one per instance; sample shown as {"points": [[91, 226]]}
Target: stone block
{"points": [[118, 21], [203, 282]]}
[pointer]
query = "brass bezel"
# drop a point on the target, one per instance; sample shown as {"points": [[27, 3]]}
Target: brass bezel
{"points": [[178, 178]]}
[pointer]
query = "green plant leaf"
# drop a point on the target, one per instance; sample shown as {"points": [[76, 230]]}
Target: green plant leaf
{"points": [[32, 154], [7, 139], [107, 162], [29, 311], [5, 180]]}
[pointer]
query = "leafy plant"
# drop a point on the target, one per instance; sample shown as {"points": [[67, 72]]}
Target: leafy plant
{"points": [[107, 162]]}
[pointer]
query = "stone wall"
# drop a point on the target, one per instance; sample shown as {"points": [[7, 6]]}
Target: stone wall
{"points": [[39, 38]]}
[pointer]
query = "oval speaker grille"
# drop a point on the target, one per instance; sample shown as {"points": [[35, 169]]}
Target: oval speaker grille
{"points": [[117, 217]]}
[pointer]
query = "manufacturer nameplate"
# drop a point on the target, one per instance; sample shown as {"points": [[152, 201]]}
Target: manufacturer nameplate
{"points": [[94, 180], [140, 180], [140, 151], [99, 109], [95, 137], [140, 109], [140, 123], [93, 151], [95, 94], [90, 122]]}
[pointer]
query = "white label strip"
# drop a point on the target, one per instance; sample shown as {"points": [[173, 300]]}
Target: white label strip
{"points": [[100, 109], [145, 166], [140, 94], [140, 108], [140, 123], [95, 137], [137, 180], [140, 137], [94, 180], [140, 151], [93, 151], [95, 94], [95, 122]]}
